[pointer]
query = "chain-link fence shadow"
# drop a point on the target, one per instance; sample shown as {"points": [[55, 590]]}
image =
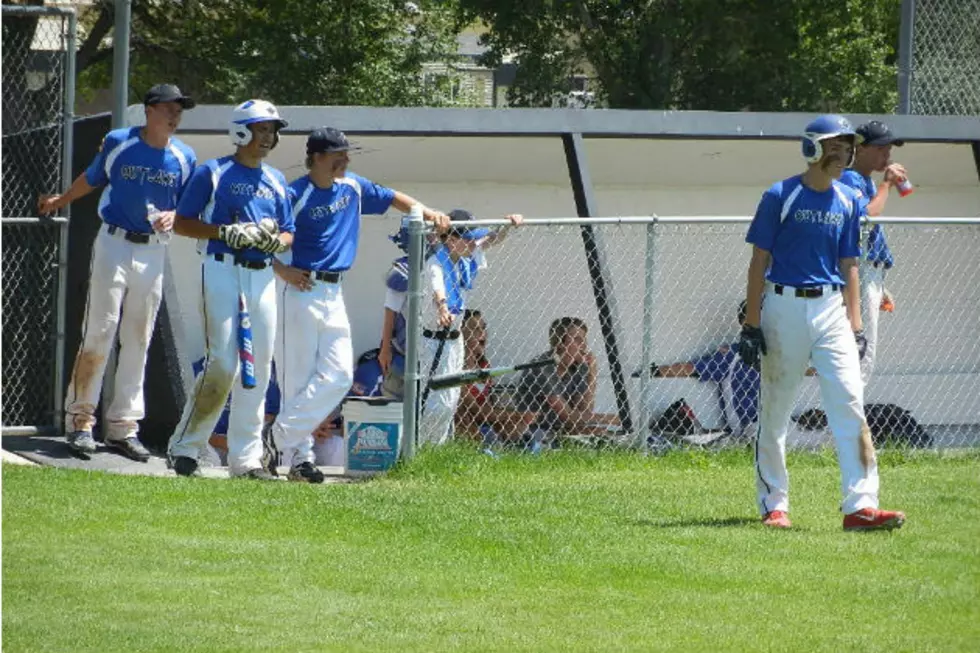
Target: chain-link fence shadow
{"points": [[646, 334]]}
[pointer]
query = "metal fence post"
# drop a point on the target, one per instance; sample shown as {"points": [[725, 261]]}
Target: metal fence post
{"points": [[649, 281], [413, 329], [66, 180], [905, 36]]}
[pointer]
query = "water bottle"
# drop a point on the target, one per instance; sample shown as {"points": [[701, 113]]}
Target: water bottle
{"points": [[152, 213], [905, 187]]}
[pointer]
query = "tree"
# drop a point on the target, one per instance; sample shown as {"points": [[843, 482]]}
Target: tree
{"points": [[761, 55], [339, 52]]}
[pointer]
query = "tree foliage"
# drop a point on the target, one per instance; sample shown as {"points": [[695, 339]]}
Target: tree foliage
{"points": [[761, 55], [339, 52]]}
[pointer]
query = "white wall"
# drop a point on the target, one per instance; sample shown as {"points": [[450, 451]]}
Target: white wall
{"points": [[536, 277]]}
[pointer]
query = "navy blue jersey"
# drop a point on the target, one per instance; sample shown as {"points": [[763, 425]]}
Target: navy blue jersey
{"points": [[876, 250], [328, 220], [738, 385], [136, 174], [223, 191], [807, 232]]}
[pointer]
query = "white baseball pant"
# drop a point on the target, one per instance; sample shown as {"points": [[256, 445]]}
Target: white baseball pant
{"points": [[220, 282], [437, 414], [872, 290], [124, 293], [315, 364], [799, 330]]}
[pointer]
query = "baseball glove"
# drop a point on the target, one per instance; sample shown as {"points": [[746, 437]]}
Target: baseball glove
{"points": [[751, 346]]}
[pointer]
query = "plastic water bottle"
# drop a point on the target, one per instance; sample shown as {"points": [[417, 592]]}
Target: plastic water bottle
{"points": [[905, 187], [152, 212]]}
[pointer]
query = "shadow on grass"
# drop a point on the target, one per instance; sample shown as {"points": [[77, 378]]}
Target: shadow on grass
{"points": [[722, 522]]}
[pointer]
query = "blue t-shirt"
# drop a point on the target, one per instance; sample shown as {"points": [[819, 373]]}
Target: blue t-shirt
{"points": [[272, 398], [328, 220], [135, 174], [807, 232], [223, 191], [738, 385], [876, 250]]}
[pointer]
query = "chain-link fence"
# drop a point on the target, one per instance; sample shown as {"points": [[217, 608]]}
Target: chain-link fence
{"points": [[670, 293], [946, 58], [38, 95]]}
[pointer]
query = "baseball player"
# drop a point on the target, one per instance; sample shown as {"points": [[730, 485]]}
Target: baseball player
{"points": [[874, 155], [314, 344], [142, 171], [449, 270], [238, 209], [806, 243]]}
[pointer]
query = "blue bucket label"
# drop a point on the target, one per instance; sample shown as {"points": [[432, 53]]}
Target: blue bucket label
{"points": [[371, 446]]}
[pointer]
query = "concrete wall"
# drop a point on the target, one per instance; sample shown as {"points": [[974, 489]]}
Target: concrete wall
{"points": [[536, 277]]}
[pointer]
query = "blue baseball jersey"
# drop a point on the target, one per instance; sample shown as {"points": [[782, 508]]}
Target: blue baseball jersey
{"points": [[807, 232], [328, 220], [272, 398], [738, 385], [136, 174], [877, 250], [223, 191]]}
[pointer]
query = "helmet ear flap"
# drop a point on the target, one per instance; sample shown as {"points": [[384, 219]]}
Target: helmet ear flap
{"points": [[812, 150]]}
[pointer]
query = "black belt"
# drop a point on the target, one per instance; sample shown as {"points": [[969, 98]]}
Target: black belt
{"points": [[329, 277], [809, 293], [131, 236], [245, 263], [879, 264], [441, 334]]}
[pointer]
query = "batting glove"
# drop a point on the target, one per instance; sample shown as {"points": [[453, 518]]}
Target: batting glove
{"points": [[751, 345], [235, 235], [862, 343], [268, 242]]}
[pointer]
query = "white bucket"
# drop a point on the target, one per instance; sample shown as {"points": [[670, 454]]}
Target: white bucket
{"points": [[372, 435]]}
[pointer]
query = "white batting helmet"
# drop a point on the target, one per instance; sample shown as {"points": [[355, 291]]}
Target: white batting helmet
{"points": [[249, 112]]}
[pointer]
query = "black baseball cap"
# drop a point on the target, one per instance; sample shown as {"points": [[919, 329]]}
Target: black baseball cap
{"points": [[328, 139], [466, 233], [167, 93], [878, 133]]}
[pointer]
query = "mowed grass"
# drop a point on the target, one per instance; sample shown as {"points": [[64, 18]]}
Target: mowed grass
{"points": [[573, 551]]}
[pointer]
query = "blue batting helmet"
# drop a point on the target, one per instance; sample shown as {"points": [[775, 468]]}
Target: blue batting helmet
{"points": [[822, 128]]}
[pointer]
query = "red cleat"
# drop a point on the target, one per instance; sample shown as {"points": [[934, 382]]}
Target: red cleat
{"points": [[872, 519], [776, 519]]}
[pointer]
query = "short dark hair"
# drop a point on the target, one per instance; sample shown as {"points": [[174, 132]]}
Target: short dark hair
{"points": [[560, 327], [471, 313], [742, 309]]}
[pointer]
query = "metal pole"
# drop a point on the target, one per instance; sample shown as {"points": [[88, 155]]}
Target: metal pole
{"points": [[649, 285], [413, 331], [120, 62], [68, 151], [906, 41]]}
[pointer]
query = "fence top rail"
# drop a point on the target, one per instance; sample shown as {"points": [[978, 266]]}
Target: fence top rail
{"points": [[701, 219], [41, 221], [38, 11]]}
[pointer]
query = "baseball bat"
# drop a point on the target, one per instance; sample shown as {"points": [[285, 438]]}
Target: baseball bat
{"points": [[245, 344], [472, 376]]}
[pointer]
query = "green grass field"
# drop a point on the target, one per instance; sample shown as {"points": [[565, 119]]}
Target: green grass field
{"points": [[567, 552]]}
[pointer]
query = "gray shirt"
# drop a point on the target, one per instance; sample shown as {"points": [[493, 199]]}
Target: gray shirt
{"points": [[536, 385]]}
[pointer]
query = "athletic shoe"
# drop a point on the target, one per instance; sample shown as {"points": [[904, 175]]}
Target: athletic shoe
{"points": [[872, 519], [185, 466], [130, 447], [258, 474], [81, 441], [305, 473], [776, 519]]}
